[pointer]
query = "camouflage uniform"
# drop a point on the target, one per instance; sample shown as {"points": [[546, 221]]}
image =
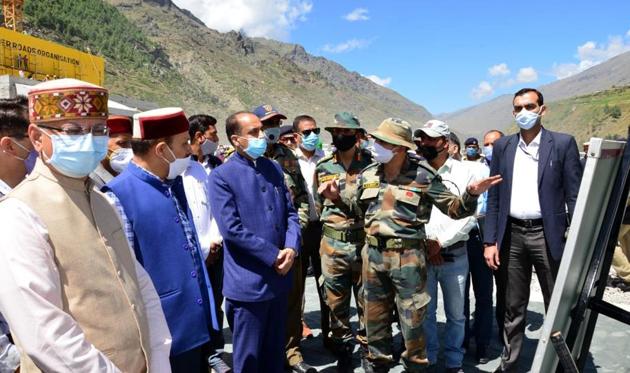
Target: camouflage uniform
{"points": [[297, 187], [394, 267], [340, 248]]}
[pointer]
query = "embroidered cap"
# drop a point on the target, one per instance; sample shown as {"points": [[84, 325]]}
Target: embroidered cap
{"points": [[159, 123], [66, 99]]}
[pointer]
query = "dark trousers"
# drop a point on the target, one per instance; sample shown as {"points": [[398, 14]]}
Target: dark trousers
{"points": [[294, 315], [311, 238], [522, 249], [481, 277], [191, 361], [217, 342], [258, 334]]}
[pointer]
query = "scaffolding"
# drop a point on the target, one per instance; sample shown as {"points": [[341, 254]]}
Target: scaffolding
{"points": [[13, 11]]}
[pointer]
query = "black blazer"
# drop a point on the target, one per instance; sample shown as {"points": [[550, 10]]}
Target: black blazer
{"points": [[559, 176]]}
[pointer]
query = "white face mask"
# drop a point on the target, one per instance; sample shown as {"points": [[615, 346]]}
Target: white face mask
{"points": [[208, 147], [381, 154], [120, 158], [176, 167]]}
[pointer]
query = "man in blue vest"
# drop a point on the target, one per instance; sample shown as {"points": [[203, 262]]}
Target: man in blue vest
{"points": [[261, 236], [150, 199]]}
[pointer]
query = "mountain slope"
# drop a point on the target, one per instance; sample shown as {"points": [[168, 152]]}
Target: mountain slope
{"points": [[158, 52], [497, 113]]}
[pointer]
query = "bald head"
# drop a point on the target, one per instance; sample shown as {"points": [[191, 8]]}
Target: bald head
{"points": [[491, 137]]}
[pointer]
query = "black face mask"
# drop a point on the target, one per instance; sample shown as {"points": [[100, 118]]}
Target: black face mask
{"points": [[344, 142], [428, 152]]}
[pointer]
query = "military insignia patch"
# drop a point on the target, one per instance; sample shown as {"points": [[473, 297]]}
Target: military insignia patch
{"points": [[373, 184]]}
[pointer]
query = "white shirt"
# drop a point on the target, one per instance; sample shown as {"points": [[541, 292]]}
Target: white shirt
{"points": [[307, 167], [4, 188], [524, 202], [197, 194], [31, 301], [455, 176], [481, 171]]}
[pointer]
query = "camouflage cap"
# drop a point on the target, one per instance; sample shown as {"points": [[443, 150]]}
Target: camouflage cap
{"points": [[345, 120], [395, 131]]}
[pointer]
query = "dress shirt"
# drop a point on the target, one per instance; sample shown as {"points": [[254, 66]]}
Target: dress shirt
{"points": [[481, 171], [524, 202], [307, 167], [196, 188], [455, 176], [30, 298], [9, 355], [4, 188]]}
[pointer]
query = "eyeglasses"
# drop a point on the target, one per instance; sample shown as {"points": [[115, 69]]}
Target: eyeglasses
{"points": [[528, 107], [74, 129], [308, 132]]}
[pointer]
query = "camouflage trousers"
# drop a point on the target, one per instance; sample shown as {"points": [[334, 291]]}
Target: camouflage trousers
{"points": [[341, 276], [395, 277]]}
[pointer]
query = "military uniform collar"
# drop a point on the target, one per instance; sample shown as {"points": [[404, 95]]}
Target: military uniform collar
{"points": [[357, 155]]}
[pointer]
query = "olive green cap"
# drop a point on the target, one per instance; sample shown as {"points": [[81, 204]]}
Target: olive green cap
{"points": [[345, 120], [395, 131]]}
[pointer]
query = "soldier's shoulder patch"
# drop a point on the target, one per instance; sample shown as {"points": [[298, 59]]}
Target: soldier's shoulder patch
{"points": [[325, 178], [371, 184], [425, 174]]}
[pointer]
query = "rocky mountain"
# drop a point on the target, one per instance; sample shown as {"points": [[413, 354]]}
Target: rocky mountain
{"points": [[497, 112], [157, 52]]}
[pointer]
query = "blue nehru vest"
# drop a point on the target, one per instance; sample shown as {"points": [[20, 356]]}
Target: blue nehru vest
{"points": [[161, 246]]}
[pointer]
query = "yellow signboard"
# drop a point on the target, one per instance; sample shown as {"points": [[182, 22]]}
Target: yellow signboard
{"points": [[30, 57]]}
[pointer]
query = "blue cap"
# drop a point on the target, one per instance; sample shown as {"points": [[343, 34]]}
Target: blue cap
{"points": [[265, 111]]}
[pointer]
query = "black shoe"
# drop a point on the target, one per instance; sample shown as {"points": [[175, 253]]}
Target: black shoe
{"points": [[220, 366], [454, 370], [329, 344], [344, 364], [482, 355], [302, 367]]}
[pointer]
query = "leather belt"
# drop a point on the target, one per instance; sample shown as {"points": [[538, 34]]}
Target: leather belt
{"points": [[345, 235], [393, 243], [526, 223]]}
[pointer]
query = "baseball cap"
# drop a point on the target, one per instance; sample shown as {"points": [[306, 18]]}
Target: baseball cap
{"points": [[266, 111], [433, 128]]}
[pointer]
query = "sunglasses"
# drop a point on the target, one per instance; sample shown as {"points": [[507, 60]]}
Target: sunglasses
{"points": [[528, 107], [308, 132]]}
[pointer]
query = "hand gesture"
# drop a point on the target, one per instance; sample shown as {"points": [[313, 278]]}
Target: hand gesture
{"points": [[214, 254], [491, 255], [329, 190], [477, 188]]}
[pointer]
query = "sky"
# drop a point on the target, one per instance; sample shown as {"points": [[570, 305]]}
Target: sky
{"points": [[443, 54]]}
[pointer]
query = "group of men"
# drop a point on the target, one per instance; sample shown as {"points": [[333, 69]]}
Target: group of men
{"points": [[124, 239]]}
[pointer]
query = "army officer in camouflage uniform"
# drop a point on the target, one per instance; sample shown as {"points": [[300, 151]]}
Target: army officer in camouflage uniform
{"points": [[343, 235], [395, 196]]}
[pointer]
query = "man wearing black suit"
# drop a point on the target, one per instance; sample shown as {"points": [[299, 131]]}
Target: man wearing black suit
{"points": [[529, 213]]}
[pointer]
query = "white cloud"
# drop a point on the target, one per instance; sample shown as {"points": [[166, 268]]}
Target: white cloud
{"points": [[272, 19], [499, 70], [346, 46], [359, 14], [482, 90], [590, 54], [380, 81], [527, 75]]}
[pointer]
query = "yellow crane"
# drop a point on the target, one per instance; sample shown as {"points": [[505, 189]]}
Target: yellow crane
{"points": [[13, 11]]}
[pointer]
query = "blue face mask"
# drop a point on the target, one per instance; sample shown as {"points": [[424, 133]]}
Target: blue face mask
{"points": [[472, 152], [255, 147], [31, 158], [77, 155], [487, 152], [526, 119], [309, 143]]}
